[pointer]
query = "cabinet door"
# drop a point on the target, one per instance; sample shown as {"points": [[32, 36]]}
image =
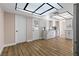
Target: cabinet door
{"points": [[69, 34]]}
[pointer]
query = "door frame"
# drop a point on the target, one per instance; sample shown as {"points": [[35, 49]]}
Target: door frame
{"points": [[15, 30]]}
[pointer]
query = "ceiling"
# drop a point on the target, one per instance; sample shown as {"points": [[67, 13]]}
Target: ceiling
{"points": [[39, 8], [68, 7]]}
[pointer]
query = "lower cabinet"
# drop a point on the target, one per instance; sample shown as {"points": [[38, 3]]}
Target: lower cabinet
{"points": [[69, 34], [48, 34]]}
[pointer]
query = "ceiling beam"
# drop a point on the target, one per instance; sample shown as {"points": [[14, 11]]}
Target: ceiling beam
{"points": [[39, 7], [60, 5], [32, 12], [26, 6], [46, 11], [52, 6], [69, 13], [25, 9]]}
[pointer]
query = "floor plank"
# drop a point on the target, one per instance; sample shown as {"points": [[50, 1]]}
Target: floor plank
{"points": [[48, 47]]}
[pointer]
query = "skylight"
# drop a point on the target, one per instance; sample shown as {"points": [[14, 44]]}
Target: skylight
{"points": [[43, 9], [55, 5], [33, 6], [51, 11]]}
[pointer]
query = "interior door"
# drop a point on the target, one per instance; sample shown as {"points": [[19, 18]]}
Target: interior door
{"points": [[20, 28]]}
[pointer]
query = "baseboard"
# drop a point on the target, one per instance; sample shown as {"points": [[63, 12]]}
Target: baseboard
{"points": [[6, 46], [29, 40], [9, 44], [33, 40], [1, 50]]}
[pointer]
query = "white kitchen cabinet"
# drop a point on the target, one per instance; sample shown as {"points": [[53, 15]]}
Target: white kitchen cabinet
{"points": [[68, 29], [48, 34], [69, 34]]}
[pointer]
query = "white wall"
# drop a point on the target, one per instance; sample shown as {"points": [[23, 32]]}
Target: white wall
{"points": [[1, 30], [29, 28], [9, 28]]}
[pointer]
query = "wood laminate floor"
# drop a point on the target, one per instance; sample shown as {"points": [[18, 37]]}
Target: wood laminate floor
{"points": [[50, 47]]}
